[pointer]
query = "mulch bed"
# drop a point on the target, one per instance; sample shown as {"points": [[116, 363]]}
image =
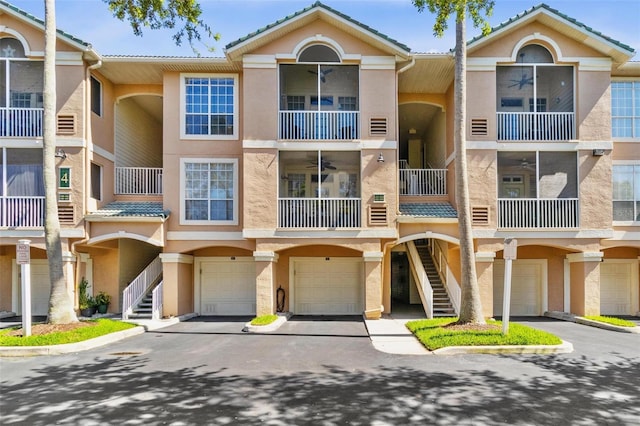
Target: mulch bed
{"points": [[39, 329], [471, 327]]}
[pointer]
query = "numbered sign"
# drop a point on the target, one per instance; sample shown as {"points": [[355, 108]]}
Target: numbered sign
{"points": [[64, 177]]}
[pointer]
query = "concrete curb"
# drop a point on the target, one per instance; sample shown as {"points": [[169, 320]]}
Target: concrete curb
{"points": [[581, 320], [563, 348], [143, 325], [22, 351], [282, 318]]}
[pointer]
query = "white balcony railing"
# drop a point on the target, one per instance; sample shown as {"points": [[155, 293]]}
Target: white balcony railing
{"points": [[423, 181], [157, 302], [21, 212], [137, 289], [319, 213], [21, 122], [536, 126], [319, 125], [138, 181], [555, 213]]}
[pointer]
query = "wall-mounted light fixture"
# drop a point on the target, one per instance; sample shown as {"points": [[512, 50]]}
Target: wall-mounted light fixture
{"points": [[60, 153], [412, 131], [380, 158]]}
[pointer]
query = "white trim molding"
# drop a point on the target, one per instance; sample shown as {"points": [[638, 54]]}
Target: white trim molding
{"points": [[176, 258], [204, 236], [485, 257], [372, 256], [594, 256], [265, 256], [259, 61]]}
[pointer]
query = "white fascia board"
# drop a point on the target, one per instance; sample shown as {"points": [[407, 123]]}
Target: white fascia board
{"points": [[72, 233], [591, 64], [322, 234], [259, 61], [378, 63], [373, 144], [625, 236], [204, 236]]}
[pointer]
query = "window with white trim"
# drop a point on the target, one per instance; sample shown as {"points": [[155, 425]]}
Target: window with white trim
{"points": [[209, 105], [209, 191], [625, 109], [626, 192]]}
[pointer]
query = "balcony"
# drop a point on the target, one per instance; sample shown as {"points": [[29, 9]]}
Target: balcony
{"points": [[138, 181], [21, 122], [319, 213], [429, 182], [21, 212], [319, 125], [519, 213], [536, 126]]}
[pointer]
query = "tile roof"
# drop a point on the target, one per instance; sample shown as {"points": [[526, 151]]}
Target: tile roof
{"points": [[131, 209], [41, 22], [320, 5], [436, 210], [561, 15]]}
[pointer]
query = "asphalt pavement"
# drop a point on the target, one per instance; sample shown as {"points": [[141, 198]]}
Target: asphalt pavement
{"points": [[210, 372]]}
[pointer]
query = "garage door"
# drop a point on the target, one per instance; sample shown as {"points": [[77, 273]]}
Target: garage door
{"points": [[40, 288], [618, 287], [328, 287], [226, 286], [528, 289]]}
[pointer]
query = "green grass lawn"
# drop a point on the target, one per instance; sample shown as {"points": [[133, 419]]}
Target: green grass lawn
{"points": [[434, 334], [91, 329], [611, 320]]}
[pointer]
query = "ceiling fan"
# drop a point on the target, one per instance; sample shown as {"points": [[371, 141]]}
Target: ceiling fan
{"points": [[524, 80], [524, 164], [323, 74], [324, 165]]}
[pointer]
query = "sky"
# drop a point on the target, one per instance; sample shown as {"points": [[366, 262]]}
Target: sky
{"points": [[91, 21]]}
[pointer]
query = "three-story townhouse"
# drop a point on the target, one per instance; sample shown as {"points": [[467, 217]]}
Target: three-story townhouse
{"points": [[311, 170]]}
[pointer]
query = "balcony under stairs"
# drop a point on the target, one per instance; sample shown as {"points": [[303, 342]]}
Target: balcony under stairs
{"points": [[442, 306]]}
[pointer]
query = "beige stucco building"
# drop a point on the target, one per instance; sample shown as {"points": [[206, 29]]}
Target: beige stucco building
{"points": [[311, 170]]}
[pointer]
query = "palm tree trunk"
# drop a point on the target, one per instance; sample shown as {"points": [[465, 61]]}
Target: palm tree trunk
{"points": [[470, 305], [60, 302]]}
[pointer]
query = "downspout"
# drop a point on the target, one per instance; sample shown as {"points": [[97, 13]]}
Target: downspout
{"points": [[87, 165], [388, 244]]}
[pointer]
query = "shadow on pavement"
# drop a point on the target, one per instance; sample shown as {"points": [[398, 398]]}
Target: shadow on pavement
{"points": [[122, 390]]}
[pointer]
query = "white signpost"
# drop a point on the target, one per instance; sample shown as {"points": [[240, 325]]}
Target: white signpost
{"points": [[509, 255], [23, 258]]}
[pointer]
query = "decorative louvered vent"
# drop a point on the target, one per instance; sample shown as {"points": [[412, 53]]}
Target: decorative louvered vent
{"points": [[480, 215], [378, 126], [479, 127], [378, 214], [65, 215], [66, 124]]}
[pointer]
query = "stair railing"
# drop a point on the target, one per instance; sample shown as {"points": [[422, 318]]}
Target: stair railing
{"points": [[447, 277], [156, 302], [133, 294], [420, 275]]}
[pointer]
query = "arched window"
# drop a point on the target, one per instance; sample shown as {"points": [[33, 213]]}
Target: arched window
{"points": [[11, 48], [318, 53], [534, 54]]}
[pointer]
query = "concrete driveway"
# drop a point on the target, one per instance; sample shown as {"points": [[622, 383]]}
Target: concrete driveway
{"points": [[210, 372]]}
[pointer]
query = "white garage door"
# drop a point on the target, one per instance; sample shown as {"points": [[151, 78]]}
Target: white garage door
{"points": [[328, 287], [40, 288], [528, 288], [226, 286], [618, 287]]}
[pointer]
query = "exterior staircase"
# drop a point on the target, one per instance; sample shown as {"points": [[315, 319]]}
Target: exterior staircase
{"points": [[442, 306], [144, 308]]}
